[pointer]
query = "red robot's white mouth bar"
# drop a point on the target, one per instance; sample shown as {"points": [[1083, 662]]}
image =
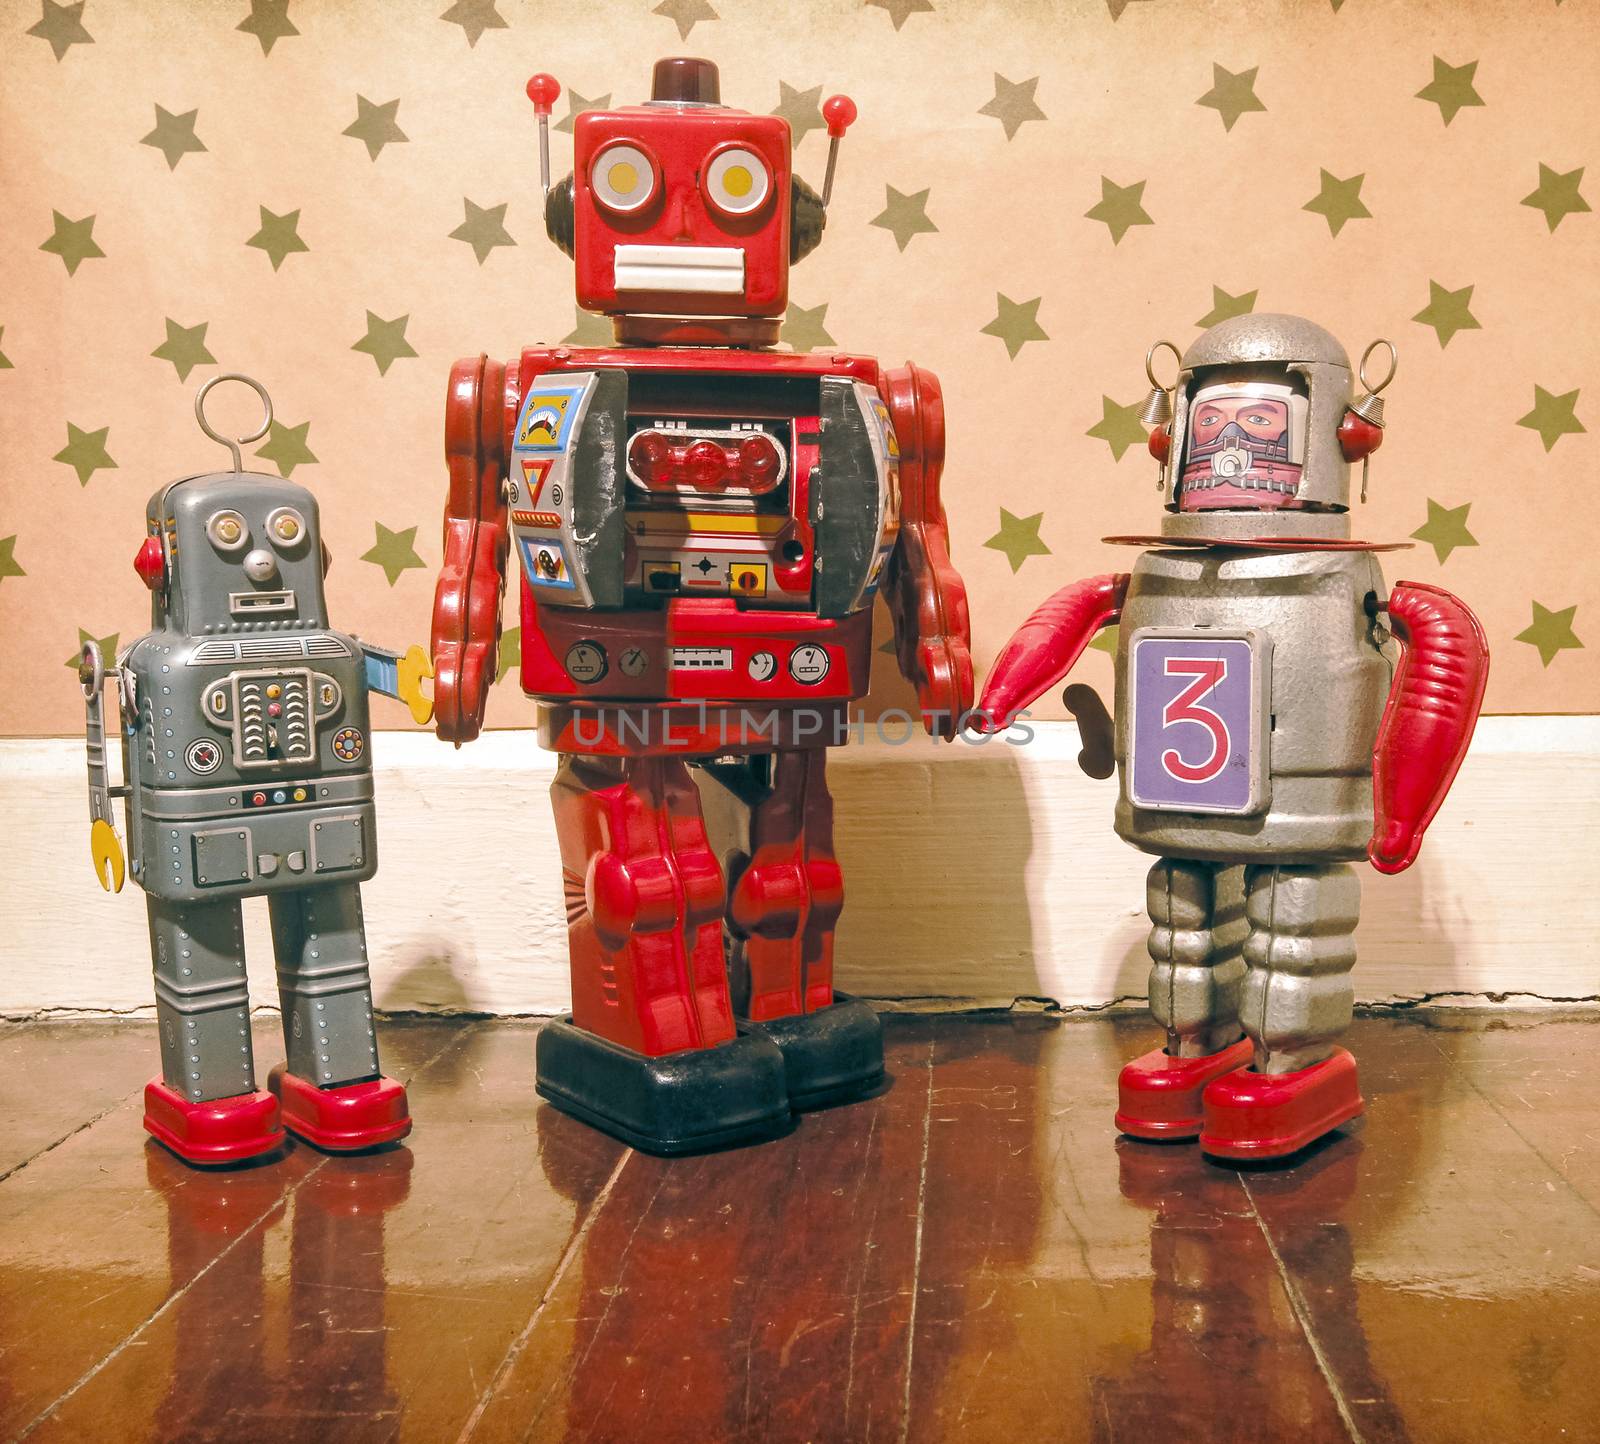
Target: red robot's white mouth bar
{"points": [[712, 270]]}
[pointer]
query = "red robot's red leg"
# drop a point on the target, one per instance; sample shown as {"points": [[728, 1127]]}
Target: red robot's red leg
{"points": [[650, 1053], [787, 901], [644, 904], [783, 908]]}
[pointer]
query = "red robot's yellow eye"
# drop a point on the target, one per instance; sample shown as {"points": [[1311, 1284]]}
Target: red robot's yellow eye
{"points": [[736, 181], [623, 177]]}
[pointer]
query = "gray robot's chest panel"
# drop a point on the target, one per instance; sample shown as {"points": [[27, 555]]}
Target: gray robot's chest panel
{"points": [[1295, 636], [248, 761]]}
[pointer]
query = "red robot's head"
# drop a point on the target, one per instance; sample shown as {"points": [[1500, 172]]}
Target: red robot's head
{"points": [[683, 206]]}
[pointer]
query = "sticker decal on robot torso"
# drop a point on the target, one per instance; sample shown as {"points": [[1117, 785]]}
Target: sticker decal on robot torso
{"points": [[1198, 734], [546, 430]]}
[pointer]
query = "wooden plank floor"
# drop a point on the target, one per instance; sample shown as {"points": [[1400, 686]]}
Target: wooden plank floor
{"points": [[971, 1255]]}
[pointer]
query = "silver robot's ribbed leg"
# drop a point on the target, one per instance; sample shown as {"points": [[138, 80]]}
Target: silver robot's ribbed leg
{"points": [[202, 998], [323, 986], [1297, 990], [1194, 978]]}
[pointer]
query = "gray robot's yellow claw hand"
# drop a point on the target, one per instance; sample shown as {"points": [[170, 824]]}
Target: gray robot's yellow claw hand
{"points": [[105, 847], [415, 668]]}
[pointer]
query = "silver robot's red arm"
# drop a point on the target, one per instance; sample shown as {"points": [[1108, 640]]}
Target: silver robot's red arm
{"points": [[1046, 646], [1428, 722], [466, 601], [925, 593]]}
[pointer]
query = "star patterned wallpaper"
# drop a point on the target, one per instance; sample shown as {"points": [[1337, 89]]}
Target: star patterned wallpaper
{"points": [[339, 197]]}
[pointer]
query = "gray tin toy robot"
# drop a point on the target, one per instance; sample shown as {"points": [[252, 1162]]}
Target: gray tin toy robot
{"points": [[245, 753], [1265, 734]]}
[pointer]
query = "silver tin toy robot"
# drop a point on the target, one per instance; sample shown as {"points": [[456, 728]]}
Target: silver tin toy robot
{"points": [[247, 773], [1267, 733]]}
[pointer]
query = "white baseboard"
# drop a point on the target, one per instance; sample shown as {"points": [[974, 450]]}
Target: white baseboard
{"points": [[973, 876]]}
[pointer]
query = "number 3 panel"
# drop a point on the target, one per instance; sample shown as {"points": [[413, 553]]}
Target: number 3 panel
{"points": [[1199, 738]]}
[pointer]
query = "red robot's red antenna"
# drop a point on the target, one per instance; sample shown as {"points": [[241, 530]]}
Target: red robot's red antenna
{"points": [[840, 113], [544, 91]]}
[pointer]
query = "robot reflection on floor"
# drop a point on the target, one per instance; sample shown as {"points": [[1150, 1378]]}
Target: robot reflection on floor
{"points": [[244, 752], [1252, 730], [703, 523]]}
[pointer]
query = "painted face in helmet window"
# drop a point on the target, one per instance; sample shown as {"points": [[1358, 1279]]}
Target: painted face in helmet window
{"points": [[1245, 447]]}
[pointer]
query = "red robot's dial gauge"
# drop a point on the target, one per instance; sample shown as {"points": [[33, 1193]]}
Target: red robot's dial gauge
{"points": [[736, 181], [625, 177]]}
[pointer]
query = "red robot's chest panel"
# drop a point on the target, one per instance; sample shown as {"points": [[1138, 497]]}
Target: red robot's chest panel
{"points": [[696, 533]]}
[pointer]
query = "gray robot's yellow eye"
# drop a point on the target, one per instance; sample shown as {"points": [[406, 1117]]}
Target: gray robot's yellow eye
{"points": [[228, 532], [286, 527]]}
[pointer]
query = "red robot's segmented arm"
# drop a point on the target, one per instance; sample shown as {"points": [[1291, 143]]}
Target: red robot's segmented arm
{"points": [[466, 601], [1427, 724], [1046, 646], [926, 596]]}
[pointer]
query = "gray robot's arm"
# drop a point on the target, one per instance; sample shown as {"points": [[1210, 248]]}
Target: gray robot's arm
{"points": [[105, 846], [400, 676]]}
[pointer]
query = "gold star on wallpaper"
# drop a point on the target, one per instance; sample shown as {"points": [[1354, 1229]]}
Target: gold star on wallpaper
{"points": [[589, 330], [279, 236], [803, 328], [286, 447], [905, 216], [1016, 323], [174, 136], [1119, 427], [73, 241], [1013, 104], [1446, 529], [1339, 201], [1557, 195], [62, 26], [1120, 207], [5, 361], [474, 17], [1225, 307], [185, 347], [1551, 632], [106, 646], [901, 10], [1116, 7], [8, 558], [685, 14], [375, 125], [1018, 538], [1231, 95], [85, 452], [394, 552], [1553, 416], [483, 229], [385, 341], [1451, 88], [1447, 312], [1105, 640], [801, 108], [577, 104], [508, 655], [269, 22]]}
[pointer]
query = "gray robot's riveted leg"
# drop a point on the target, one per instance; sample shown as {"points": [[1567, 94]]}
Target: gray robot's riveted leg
{"points": [[202, 998], [1195, 975], [1297, 991], [323, 985]]}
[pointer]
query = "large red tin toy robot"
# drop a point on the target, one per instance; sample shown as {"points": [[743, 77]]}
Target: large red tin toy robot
{"points": [[703, 524], [1279, 712]]}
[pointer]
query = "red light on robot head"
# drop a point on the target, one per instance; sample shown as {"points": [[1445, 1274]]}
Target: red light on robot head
{"points": [[1358, 437], [150, 561], [840, 113], [543, 90], [1160, 443]]}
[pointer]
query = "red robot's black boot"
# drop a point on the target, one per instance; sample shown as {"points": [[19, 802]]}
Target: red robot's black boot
{"points": [[651, 1053], [782, 910]]}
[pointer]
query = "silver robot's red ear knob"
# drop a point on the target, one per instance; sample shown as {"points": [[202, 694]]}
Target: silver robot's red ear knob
{"points": [[151, 563]]}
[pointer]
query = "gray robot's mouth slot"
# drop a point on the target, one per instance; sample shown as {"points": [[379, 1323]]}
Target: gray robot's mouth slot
{"points": [[241, 604]]}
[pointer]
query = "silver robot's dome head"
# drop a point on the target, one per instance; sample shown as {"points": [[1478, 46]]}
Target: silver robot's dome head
{"points": [[1257, 408], [243, 553]]}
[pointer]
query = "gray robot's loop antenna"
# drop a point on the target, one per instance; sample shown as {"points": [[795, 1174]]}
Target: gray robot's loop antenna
{"points": [[1394, 365], [91, 669], [256, 435]]}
